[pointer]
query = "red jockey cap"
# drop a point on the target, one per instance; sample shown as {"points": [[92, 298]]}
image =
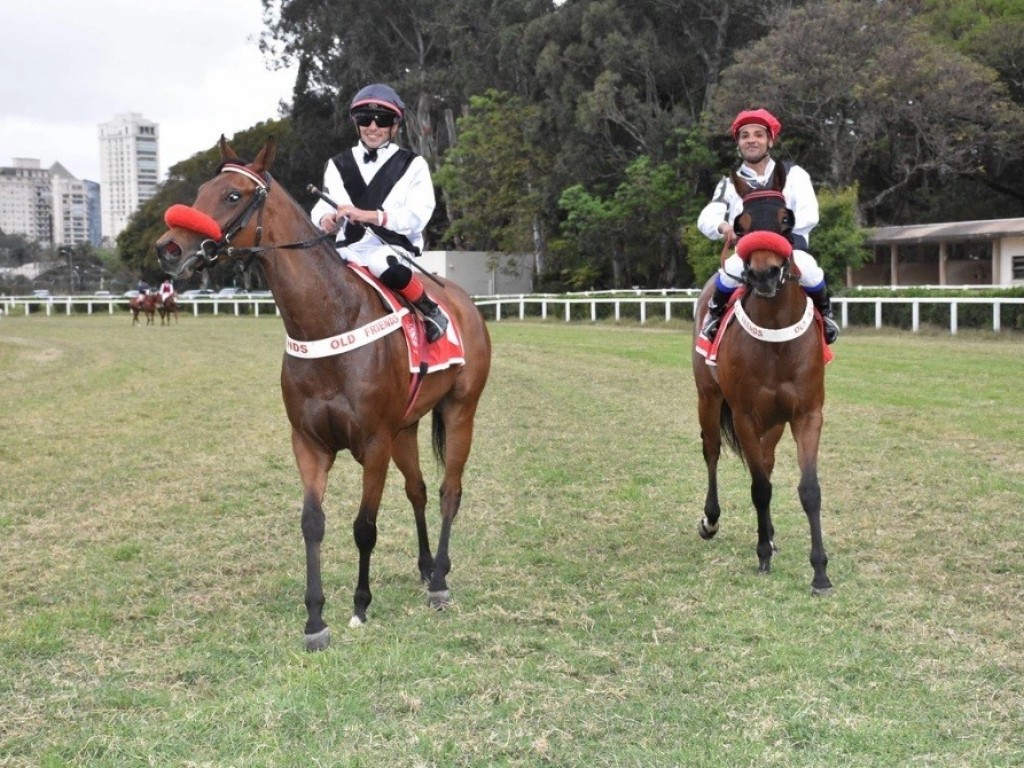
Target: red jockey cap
{"points": [[762, 240], [757, 117]]}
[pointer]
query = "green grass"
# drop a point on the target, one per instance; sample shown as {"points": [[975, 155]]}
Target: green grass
{"points": [[152, 570]]}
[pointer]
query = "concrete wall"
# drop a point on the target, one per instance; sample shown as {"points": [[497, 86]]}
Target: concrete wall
{"points": [[482, 273]]}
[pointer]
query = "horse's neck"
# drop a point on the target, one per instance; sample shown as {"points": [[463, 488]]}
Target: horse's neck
{"points": [[316, 294], [780, 311]]}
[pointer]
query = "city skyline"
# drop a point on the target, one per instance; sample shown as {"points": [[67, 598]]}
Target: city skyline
{"points": [[201, 76]]}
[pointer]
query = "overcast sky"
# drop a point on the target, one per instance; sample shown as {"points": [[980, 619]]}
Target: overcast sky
{"points": [[191, 66]]}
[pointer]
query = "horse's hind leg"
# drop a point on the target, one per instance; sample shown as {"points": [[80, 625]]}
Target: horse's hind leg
{"points": [[453, 428], [406, 454], [313, 466]]}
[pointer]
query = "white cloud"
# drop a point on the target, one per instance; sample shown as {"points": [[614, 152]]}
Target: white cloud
{"points": [[193, 67]]}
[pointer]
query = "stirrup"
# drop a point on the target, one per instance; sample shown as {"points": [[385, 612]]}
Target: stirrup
{"points": [[710, 329], [830, 328], [435, 324]]}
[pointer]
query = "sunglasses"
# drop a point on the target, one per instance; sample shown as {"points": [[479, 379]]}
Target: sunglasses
{"points": [[382, 119]]}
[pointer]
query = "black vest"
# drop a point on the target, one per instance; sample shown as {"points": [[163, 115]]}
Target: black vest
{"points": [[371, 196]]}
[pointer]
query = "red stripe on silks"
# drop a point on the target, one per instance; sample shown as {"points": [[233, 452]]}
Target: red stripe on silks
{"points": [[189, 218], [763, 240]]}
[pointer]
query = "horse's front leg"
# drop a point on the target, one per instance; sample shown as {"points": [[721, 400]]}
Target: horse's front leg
{"points": [[759, 453], [406, 454], [364, 528], [314, 465], [709, 414], [807, 437]]}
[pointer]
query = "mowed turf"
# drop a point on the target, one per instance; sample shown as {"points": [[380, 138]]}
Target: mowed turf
{"points": [[152, 569]]}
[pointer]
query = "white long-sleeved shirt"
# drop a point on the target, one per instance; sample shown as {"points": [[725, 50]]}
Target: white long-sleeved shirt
{"points": [[726, 204], [409, 205]]}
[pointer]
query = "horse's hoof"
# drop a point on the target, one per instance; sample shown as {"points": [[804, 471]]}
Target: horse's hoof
{"points": [[355, 622], [821, 591], [439, 600], [319, 641], [705, 532]]}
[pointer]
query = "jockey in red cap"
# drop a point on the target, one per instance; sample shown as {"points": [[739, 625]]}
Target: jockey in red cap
{"points": [[385, 198], [755, 132]]}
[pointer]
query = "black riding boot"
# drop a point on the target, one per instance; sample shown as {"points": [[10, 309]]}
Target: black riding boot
{"points": [[716, 308], [433, 318], [823, 303]]}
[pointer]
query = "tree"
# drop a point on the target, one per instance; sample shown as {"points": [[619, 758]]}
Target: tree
{"points": [[493, 179], [911, 111]]}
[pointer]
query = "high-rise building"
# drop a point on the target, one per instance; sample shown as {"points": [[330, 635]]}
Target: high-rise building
{"points": [[129, 169], [25, 201], [70, 198]]}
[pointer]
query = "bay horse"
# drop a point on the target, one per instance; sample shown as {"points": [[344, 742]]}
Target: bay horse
{"points": [[168, 307], [770, 372], [358, 401], [145, 303]]}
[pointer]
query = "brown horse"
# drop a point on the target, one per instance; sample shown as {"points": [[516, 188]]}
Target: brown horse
{"points": [[145, 303], [359, 400], [770, 372], [168, 307]]}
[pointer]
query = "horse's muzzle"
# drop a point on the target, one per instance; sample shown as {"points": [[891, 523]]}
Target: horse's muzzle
{"points": [[174, 261]]}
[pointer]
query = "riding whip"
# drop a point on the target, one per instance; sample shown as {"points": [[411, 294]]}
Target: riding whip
{"points": [[315, 191]]}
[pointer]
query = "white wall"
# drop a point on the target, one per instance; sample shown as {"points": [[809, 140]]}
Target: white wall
{"points": [[482, 273], [1008, 248]]}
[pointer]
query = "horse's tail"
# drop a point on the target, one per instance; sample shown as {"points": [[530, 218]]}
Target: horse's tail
{"points": [[729, 431], [438, 435]]}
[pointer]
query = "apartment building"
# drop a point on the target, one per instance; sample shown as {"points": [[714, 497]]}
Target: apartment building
{"points": [[129, 169], [26, 201]]}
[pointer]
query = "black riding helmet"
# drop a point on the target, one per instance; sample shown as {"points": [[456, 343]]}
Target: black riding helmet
{"points": [[377, 100]]}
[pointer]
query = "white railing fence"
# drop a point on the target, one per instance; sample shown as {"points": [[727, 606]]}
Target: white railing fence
{"points": [[643, 307]]}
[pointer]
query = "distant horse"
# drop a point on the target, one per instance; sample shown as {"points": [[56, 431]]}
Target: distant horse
{"points": [[365, 400], [145, 303], [167, 307], [770, 372]]}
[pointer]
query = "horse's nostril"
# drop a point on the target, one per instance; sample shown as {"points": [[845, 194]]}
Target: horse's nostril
{"points": [[170, 249]]}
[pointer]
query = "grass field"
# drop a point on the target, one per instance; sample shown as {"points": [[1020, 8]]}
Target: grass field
{"points": [[152, 569]]}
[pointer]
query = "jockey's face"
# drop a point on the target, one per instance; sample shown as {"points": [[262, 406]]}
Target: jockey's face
{"points": [[374, 136], [753, 143]]}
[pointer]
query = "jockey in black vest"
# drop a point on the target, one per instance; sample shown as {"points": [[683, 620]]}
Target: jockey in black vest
{"points": [[385, 198]]}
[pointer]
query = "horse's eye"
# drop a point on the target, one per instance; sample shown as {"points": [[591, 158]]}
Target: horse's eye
{"points": [[234, 197]]}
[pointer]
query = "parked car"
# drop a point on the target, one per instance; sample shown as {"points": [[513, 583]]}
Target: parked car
{"points": [[41, 293], [102, 294], [231, 293], [196, 293]]}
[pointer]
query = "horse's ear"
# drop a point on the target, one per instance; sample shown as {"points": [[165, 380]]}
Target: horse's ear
{"points": [[742, 188], [265, 158], [779, 177], [226, 152]]}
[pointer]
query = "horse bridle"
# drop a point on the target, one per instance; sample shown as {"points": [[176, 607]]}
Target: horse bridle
{"points": [[211, 250]]}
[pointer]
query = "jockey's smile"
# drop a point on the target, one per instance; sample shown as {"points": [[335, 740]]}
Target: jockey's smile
{"points": [[373, 136], [754, 144]]}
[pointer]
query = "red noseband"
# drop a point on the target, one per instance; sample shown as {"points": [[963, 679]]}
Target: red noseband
{"points": [[189, 218], [763, 241]]}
